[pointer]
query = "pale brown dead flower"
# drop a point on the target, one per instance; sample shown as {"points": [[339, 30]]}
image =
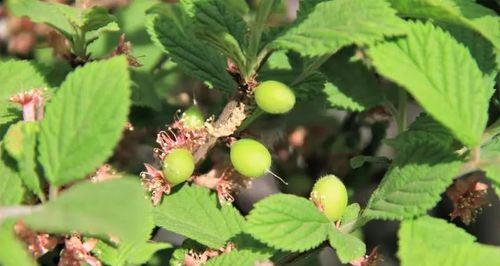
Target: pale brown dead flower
{"points": [[76, 253], [467, 195], [154, 181], [193, 258], [38, 243], [372, 259], [104, 173], [31, 102]]}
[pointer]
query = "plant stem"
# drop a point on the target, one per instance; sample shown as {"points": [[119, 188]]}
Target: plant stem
{"points": [[16, 211], [256, 114], [53, 191], [256, 31], [312, 66], [402, 110]]}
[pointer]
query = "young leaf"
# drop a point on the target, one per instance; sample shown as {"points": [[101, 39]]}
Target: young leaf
{"points": [[20, 143], [237, 257], [117, 207], [13, 252], [56, 15], [460, 12], [351, 86], [414, 183], [84, 121], [351, 213], [192, 211], [287, 222], [132, 253], [171, 29], [347, 247], [334, 24], [11, 189], [95, 18], [442, 76], [418, 245]]}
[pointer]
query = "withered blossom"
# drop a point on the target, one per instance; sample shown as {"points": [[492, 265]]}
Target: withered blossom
{"points": [[31, 102], [125, 48], [38, 243], [372, 259], [104, 173], [193, 258], [76, 253], [467, 195], [154, 181]]}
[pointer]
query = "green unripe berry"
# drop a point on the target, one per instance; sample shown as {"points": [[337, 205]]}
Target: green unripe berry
{"points": [[178, 166], [250, 158], [274, 97], [330, 194], [193, 118]]}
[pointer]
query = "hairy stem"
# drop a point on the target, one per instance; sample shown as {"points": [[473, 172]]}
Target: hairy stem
{"points": [[16, 211]]}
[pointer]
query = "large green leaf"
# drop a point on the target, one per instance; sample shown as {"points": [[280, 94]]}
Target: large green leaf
{"points": [[129, 252], [442, 76], [351, 86], [237, 257], [287, 222], [56, 15], [431, 241], [113, 208], [192, 211], [347, 247], [461, 12], [11, 188], [13, 252], [334, 24], [421, 171], [20, 143], [84, 121], [172, 30]]}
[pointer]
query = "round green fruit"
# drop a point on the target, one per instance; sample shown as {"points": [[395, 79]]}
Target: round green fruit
{"points": [[178, 166], [330, 194], [274, 97], [250, 158], [193, 118]]}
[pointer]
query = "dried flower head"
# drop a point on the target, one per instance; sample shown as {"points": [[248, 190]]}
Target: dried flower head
{"points": [[104, 173], [193, 258], [31, 102], [467, 195], [38, 243], [372, 259], [125, 48], [154, 181], [76, 253]]}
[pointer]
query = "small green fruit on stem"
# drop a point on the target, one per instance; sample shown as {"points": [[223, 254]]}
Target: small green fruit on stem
{"points": [[274, 97], [178, 166], [330, 195], [250, 158], [193, 118]]}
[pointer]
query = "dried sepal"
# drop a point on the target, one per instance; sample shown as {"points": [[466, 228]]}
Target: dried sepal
{"points": [[125, 48], [194, 258], [38, 243], [76, 252], [31, 102], [154, 181], [372, 259], [467, 195], [104, 173]]}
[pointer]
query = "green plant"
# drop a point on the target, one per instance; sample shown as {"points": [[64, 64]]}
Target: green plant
{"points": [[83, 99]]}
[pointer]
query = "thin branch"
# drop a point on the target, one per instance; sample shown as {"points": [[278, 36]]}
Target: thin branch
{"points": [[16, 211]]}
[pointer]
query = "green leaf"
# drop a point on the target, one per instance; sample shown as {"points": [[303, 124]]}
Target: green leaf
{"points": [[350, 214], [414, 183], [490, 160], [441, 75], [351, 86], [18, 76], [237, 257], [423, 130], [13, 252], [11, 189], [418, 245], [192, 211], [482, 50], [347, 247], [117, 207], [20, 143], [132, 253], [56, 15], [95, 18], [170, 28], [85, 120], [358, 161], [461, 12], [287, 222], [334, 24]]}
